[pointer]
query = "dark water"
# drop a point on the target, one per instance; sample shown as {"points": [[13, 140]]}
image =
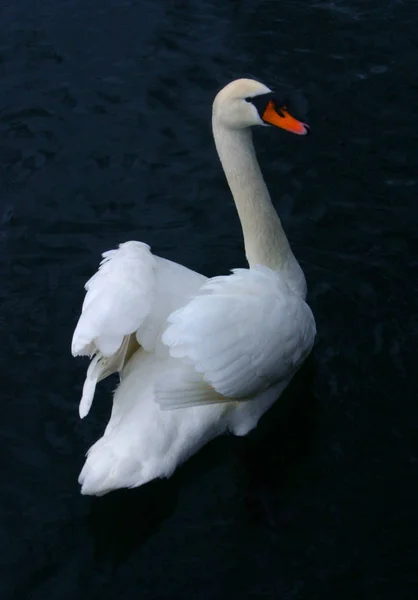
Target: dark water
{"points": [[105, 137]]}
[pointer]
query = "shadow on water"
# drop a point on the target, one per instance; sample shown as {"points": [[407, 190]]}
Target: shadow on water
{"points": [[122, 521], [272, 457], [263, 466]]}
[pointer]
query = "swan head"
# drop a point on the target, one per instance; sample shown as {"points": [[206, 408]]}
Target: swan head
{"points": [[245, 102]]}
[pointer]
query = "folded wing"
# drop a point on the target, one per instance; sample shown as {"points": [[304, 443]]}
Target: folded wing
{"points": [[243, 333]]}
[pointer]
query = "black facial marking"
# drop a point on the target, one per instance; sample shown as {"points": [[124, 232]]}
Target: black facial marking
{"points": [[295, 103], [289, 100], [260, 102]]}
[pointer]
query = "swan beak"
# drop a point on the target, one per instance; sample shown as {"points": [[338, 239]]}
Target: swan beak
{"points": [[281, 118]]}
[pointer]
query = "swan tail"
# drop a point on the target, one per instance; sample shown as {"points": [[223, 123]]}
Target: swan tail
{"points": [[104, 471]]}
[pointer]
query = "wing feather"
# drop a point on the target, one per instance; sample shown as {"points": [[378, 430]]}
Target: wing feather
{"points": [[118, 300], [244, 332], [119, 297]]}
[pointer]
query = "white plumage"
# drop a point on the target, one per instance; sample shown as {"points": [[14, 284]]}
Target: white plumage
{"points": [[243, 332], [196, 356], [119, 297]]}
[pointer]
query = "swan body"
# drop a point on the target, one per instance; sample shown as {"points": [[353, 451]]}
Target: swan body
{"points": [[197, 357]]}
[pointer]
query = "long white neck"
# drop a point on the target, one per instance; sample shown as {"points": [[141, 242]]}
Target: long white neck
{"points": [[264, 238]]}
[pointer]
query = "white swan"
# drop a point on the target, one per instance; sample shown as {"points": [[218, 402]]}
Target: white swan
{"points": [[197, 356]]}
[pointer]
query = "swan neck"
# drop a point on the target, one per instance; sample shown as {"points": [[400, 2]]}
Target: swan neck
{"points": [[264, 238]]}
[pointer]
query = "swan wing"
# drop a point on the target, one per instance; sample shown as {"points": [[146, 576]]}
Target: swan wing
{"points": [[243, 333], [118, 300]]}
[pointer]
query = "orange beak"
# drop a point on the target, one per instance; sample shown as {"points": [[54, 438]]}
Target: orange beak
{"points": [[286, 121]]}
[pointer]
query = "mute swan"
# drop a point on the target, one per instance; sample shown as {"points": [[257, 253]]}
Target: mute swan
{"points": [[197, 357]]}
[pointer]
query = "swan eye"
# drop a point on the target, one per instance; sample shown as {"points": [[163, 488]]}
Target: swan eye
{"points": [[248, 99]]}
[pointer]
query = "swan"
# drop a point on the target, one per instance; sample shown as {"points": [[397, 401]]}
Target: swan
{"points": [[196, 357]]}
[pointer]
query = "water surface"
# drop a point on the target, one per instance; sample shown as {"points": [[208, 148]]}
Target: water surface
{"points": [[105, 137]]}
